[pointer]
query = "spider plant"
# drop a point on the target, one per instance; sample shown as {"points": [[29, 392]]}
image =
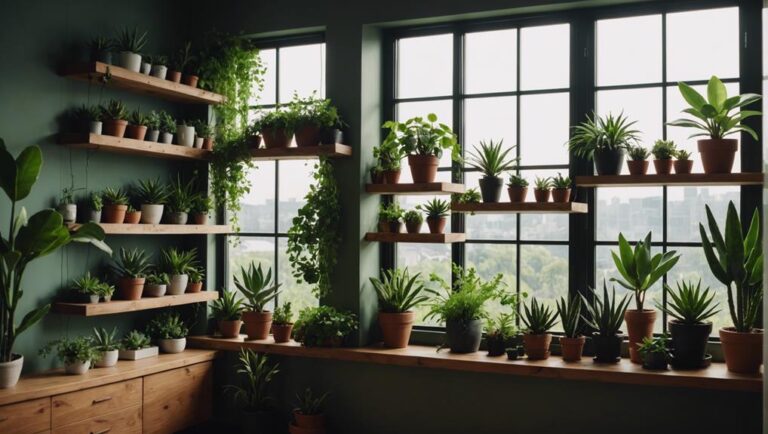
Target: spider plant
{"points": [[491, 159], [258, 372]]}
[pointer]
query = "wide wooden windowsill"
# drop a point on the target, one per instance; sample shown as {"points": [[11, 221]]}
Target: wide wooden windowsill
{"points": [[716, 377]]}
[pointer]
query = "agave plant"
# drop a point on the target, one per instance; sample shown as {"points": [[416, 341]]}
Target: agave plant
{"points": [[538, 318], [689, 304], [435, 208], [257, 287], [491, 159], [151, 191], [228, 307], [398, 292], [602, 133], [604, 314]]}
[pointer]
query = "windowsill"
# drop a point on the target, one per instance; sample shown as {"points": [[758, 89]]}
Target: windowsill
{"points": [[716, 377]]}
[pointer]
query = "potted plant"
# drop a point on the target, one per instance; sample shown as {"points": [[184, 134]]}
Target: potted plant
{"points": [[196, 276], [77, 353], [413, 221], [176, 263], [185, 64], [492, 161], [282, 323], [539, 320], [132, 215], [27, 239], [137, 126], [398, 294], [735, 260], [561, 188], [639, 271], [252, 134], [114, 116], [179, 202], [152, 195], [572, 341], [101, 50], [129, 44], [308, 416], [67, 206], [437, 211], [115, 205], [87, 118], [87, 288], [156, 284], [146, 65], [638, 160], [316, 119], [136, 346], [202, 204], [185, 134], [153, 126], [258, 289], [105, 291], [277, 128], [252, 397], [131, 268], [424, 141], [323, 326], [159, 67], [227, 310], [604, 316], [517, 188], [499, 333], [207, 133], [389, 218], [96, 205], [663, 151], [715, 118], [542, 189], [683, 163], [469, 196], [167, 127], [604, 140], [654, 352], [388, 156], [107, 346], [197, 125], [170, 332]]}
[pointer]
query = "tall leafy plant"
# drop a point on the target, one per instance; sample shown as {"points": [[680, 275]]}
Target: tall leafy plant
{"points": [[257, 373]]}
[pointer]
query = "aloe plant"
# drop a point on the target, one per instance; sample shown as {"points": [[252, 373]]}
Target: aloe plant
{"points": [[604, 314], [689, 304], [569, 310], [538, 318], [257, 287], [398, 292], [601, 134]]}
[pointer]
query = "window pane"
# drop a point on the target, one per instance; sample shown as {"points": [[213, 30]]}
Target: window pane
{"points": [[295, 179], [489, 226], [425, 259], [544, 273], [250, 249], [490, 61], [631, 211], [550, 227], [444, 111], [269, 93], [685, 209], [697, 54], [302, 70], [258, 206], [544, 122], [550, 71], [425, 66], [629, 50], [490, 118], [641, 105], [490, 260], [299, 295]]}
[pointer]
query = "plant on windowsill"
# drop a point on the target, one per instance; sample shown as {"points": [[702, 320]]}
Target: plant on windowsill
{"points": [[561, 188], [282, 323], [573, 339], [539, 320], [413, 221], [258, 289], [469, 196], [317, 121], [156, 285], [76, 353], [398, 294], [176, 263], [604, 316], [277, 128], [227, 310], [542, 189], [683, 163], [309, 415], [663, 152], [107, 345], [115, 205], [86, 288], [437, 211], [604, 140], [500, 333], [323, 326], [638, 160], [654, 352], [135, 346], [131, 268], [169, 331], [389, 218], [517, 188], [151, 195], [252, 396], [492, 161]]}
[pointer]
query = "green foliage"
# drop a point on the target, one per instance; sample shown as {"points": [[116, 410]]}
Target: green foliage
{"points": [[96, 202], [491, 159], [114, 110], [167, 325], [542, 183], [389, 154], [201, 204], [682, 155], [134, 341], [517, 181], [413, 216], [257, 287], [604, 315], [228, 307], [180, 195], [151, 192], [689, 305], [713, 115], [106, 290], [196, 274], [398, 292], [79, 349], [602, 134], [203, 129], [131, 40], [657, 345], [560, 182], [115, 196], [278, 119], [664, 149], [469, 196], [315, 111], [68, 195], [258, 373], [435, 208], [101, 43], [323, 326], [158, 279], [390, 212], [538, 318], [137, 118], [569, 310], [466, 300], [502, 327], [104, 340], [638, 153], [177, 261], [283, 314], [167, 123], [310, 404], [229, 177], [87, 284], [86, 113], [131, 263], [639, 271], [419, 136]]}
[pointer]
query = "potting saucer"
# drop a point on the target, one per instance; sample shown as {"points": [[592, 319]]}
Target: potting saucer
{"points": [[705, 363]]}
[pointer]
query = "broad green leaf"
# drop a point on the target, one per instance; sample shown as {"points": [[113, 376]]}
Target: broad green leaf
{"points": [[44, 233], [714, 264], [28, 166], [91, 233], [691, 96], [32, 317], [716, 93]]}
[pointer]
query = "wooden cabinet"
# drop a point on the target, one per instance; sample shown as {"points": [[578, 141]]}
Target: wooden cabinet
{"points": [[178, 399], [28, 417], [124, 421], [96, 401]]}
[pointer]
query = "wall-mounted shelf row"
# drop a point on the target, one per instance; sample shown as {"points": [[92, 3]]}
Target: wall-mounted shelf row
{"points": [[147, 229], [426, 238], [427, 188], [122, 306], [302, 153], [682, 180], [521, 208]]}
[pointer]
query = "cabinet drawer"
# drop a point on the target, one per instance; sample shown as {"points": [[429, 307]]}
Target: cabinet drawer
{"points": [[85, 404], [125, 421], [26, 417], [178, 399]]}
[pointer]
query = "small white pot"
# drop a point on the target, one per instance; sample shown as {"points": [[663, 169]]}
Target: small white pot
{"points": [[172, 346], [77, 368], [137, 354], [94, 298], [199, 142], [107, 298], [185, 136], [178, 284], [108, 358], [68, 211], [130, 61], [152, 135], [95, 127], [94, 216], [151, 290], [151, 214], [145, 68], [11, 371], [159, 71], [166, 138]]}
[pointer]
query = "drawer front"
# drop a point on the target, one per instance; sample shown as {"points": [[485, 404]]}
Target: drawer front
{"points": [[125, 421], [178, 399], [85, 404], [26, 417]]}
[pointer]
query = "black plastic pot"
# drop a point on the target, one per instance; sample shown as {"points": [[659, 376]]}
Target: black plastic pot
{"points": [[689, 344], [496, 346], [490, 188], [330, 136], [464, 337], [607, 348], [513, 353], [655, 361], [609, 161]]}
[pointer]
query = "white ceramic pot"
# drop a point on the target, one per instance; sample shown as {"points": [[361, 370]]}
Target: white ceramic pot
{"points": [[137, 354], [199, 142], [95, 127], [166, 138], [159, 71], [185, 136], [77, 368], [107, 298], [130, 61], [152, 290], [178, 284], [11, 371], [68, 211], [145, 68], [152, 135], [108, 358], [94, 216], [151, 214], [172, 346], [178, 218], [94, 298]]}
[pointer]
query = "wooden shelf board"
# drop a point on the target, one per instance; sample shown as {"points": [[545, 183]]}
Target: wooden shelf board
{"points": [[427, 188], [121, 145], [692, 180], [56, 382], [140, 83], [521, 207], [302, 153], [122, 306], [715, 377], [146, 229], [390, 237]]}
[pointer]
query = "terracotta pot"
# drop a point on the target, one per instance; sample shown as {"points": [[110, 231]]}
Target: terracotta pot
{"points": [[257, 324], [383, 226], [137, 132], [208, 143], [114, 213], [276, 138], [230, 329], [132, 218], [743, 351], [537, 346], [541, 195], [293, 429], [436, 224], [200, 218], [190, 80], [282, 332], [174, 76], [130, 288], [637, 167], [308, 421], [639, 326], [717, 155], [115, 127], [308, 135], [423, 167], [663, 167], [572, 348], [683, 166], [194, 287], [561, 195], [392, 176], [413, 227], [396, 328], [517, 194]]}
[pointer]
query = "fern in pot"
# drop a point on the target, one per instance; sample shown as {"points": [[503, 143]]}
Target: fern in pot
{"points": [[169, 331], [76, 353], [107, 345], [437, 211], [259, 290], [389, 218], [323, 326], [604, 315], [398, 294], [500, 333], [317, 120], [176, 263], [492, 160], [604, 140]]}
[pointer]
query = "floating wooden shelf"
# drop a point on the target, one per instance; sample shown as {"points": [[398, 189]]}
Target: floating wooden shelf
{"points": [[126, 146], [145, 229], [427, 188], [302, 153], [141, 83], [521, 208], [390, 237], [121, 306], [692, 180]]}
